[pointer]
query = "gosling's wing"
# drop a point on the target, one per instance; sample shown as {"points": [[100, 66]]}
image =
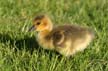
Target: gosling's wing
{"points": [[58, 37], [60, 34]]}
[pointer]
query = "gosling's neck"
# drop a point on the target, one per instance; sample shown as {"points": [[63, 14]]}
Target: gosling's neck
{"points": [[45, 33]]}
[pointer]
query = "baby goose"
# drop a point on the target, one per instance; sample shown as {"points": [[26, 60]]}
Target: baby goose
{"points": [[65, 39]]}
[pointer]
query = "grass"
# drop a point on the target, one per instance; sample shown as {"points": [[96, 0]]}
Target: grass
{"points": [[19, 50]]}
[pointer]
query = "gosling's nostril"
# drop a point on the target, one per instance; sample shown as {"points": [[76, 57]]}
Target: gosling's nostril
{"points": [[32, 28]]}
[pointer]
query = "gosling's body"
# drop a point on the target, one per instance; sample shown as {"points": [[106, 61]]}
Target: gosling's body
{"points": [[65, 39]]}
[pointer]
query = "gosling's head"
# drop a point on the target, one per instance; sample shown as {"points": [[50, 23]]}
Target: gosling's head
{"points": [[41, 23]]}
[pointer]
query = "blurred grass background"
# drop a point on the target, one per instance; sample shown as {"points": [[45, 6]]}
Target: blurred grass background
{"points": [[19, 50]]}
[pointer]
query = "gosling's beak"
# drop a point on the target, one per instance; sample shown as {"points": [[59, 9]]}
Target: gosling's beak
{"points": [[32, 28]]}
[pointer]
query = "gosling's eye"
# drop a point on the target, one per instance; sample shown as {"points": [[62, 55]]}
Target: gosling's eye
{"points": [[38, 23]]}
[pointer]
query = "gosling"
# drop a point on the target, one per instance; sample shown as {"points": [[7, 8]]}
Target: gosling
{"points": [[65, 39]]}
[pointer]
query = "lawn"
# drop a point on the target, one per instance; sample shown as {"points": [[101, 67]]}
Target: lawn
{"points": [[19, 50]]}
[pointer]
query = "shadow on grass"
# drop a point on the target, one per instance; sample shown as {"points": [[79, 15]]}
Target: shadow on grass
{"points": [[28, 43]]}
